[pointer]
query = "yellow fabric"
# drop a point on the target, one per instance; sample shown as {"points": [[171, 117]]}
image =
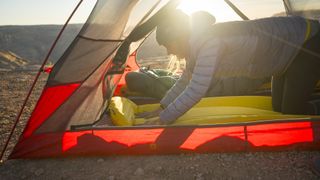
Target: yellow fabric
{"points": [[213, 110], [122, 111], [265, 86], [308, 30], [268, 86], [318, 85]]}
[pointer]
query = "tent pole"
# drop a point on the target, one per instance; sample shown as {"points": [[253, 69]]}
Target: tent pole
{"points": [[36, 79], [244, 17]]}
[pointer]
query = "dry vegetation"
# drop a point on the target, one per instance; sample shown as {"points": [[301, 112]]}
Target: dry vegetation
{"points": [[260, 165]]}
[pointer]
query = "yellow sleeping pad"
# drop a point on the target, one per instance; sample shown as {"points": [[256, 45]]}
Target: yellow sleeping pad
{"points": [[211, 110], [267, 85]]}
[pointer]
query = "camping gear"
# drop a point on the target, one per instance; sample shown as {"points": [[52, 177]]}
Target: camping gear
{"points": [[210, 110]]}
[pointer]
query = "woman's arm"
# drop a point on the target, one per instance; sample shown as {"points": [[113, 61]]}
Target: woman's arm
{"points": [[198, 86], [171, 95], [175, 90]]}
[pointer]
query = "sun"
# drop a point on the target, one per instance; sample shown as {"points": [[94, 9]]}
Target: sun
{"points": [[218, 8]]}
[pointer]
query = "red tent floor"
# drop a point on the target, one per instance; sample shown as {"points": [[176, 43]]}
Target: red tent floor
{"points": [[158, 140]]}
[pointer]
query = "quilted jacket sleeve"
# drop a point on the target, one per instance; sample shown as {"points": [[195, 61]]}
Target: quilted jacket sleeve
{"points": [[198, 85], [176, 89]]}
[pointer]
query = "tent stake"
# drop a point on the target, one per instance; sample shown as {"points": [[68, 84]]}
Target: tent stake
{"points": [[35, 81]]}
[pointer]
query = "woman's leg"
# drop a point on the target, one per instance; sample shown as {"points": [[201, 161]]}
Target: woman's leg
{"points": [[299, 83], [300, 80], [139, 82], [277, 92], [147, 85]]}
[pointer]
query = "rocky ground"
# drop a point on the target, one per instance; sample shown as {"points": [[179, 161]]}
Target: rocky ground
{"points": [[262, 165]]}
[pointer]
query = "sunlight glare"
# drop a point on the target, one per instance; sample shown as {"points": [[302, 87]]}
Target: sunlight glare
{"points": [[218, 8]]}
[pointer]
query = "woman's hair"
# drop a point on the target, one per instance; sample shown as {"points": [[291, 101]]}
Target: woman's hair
{"points": [[175, 65], [174, 26]]}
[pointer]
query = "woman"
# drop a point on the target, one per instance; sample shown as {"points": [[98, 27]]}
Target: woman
{"points": [[286, 48], [151, 83]]}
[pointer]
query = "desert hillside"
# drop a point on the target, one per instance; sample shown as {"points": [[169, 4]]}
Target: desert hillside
{"points": [[33, 42], [11, 61], [30, 44]]}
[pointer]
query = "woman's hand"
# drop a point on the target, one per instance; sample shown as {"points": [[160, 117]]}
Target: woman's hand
{"points": [[148, 115]]}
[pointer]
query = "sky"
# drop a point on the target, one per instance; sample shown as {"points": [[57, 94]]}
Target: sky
{"points": [[251, 8], [30, 12]]}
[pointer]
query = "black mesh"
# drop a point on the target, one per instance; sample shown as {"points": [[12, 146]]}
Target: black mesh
{"points": [[107, 26], [107, 21]]}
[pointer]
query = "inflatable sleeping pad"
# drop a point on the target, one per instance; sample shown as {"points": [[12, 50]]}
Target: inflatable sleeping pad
{"points": [[211, 110]]}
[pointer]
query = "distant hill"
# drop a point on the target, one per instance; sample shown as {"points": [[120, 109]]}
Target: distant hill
{"points": [[279, 14], [150, 48], [11, 61], [312, 13], [33, 42]]}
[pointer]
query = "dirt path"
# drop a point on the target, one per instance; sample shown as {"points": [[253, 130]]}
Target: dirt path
{"points": [[262, 165]]}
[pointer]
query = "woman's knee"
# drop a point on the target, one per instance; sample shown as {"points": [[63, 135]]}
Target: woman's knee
{"points": [[136, 81], [277, 92]]}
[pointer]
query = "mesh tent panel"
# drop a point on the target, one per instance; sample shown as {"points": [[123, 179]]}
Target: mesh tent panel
{"points": [[81, 62], [83, 107], [87, 61], [107, 21], [111, 20]]}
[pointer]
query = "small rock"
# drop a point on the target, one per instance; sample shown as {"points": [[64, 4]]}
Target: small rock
{"points": [[199, 177], [100, 160], [223, 156], [111, 178], [139, 172], [64, 176], [32, 169], [197, 157], [158, 169], [151, 178], [5, 121], [38, 172], [23, 176]]}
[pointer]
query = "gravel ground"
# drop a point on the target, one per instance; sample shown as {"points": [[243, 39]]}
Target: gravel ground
{"points": [[262, 165]]}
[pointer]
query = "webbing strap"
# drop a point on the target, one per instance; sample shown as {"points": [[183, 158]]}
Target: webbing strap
{"points": [[308, 30]]}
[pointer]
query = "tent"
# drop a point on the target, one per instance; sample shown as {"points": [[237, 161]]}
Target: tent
{"points": [[83, 81]]}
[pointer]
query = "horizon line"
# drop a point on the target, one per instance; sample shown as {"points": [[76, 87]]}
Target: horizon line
{"points": [[36, 24]]}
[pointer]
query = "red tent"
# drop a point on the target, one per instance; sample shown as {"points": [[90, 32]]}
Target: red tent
{"points": [[85, 78]]}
